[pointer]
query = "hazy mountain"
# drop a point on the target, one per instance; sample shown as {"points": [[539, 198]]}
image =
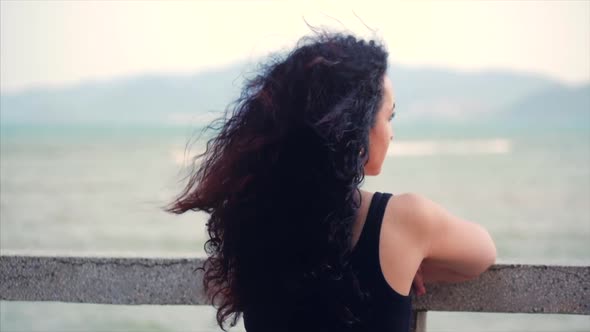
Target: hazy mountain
{"points": [[139, 100], [555, 106], [423, 94]]}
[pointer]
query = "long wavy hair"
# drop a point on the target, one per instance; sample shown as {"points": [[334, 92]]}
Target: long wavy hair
{"points": [[280, 182]]}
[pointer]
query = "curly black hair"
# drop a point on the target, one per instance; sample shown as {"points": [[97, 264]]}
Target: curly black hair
{"points": [[281, 180]]}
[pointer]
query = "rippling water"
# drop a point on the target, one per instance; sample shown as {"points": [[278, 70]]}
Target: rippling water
{"points": [[98, 191]]}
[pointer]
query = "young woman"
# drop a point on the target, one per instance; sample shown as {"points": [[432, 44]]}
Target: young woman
{"points": [[295, 244]]}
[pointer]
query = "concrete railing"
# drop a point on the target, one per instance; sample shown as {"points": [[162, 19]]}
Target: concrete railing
{"points": [[502, 289]]}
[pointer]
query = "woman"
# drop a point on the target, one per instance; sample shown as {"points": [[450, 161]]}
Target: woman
{"points": [[295, 244]]}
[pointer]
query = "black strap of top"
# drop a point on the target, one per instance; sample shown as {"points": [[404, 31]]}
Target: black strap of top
{"points": [[368, 243]]}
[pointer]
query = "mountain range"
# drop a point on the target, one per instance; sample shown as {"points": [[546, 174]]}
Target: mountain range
{"points": [[423, 95]]}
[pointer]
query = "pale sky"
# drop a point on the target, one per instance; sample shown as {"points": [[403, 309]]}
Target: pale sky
{"points": [[65, 42]]}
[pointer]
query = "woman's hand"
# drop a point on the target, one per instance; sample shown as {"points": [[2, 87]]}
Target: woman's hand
{"points": [[418, 283]]}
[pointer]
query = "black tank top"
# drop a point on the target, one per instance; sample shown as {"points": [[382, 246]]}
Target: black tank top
{"points": [[385, 309]]}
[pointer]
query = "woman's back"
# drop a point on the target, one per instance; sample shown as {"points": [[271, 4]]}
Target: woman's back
{"points": [[383, 308]]}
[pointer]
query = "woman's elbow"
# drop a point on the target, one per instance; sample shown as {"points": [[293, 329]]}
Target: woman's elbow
{"points": [[488, 255], [493, 253]]}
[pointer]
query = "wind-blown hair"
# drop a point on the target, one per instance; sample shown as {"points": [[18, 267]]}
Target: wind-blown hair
{"points": [[280, 182]]}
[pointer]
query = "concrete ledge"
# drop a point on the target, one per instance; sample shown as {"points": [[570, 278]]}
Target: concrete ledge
{"points": [[101, 280], [504, 288], [515, 289]]}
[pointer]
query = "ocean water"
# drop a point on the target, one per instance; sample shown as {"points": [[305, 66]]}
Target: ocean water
{"points": [[99, 191]]}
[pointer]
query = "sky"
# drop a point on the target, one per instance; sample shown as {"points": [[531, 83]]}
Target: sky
{"points": [[60, 43]]}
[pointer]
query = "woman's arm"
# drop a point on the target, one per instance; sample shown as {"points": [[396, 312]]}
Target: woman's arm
{"points": [[434, 273], [430, 272], [452, 249]]}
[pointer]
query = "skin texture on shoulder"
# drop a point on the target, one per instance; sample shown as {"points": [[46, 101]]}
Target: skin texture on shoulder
{"points": [[444, 247]]}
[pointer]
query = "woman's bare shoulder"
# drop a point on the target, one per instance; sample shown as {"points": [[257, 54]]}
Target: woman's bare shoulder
{"points": [[406, 210], [412, 212], [401, 241], [432, 232]]}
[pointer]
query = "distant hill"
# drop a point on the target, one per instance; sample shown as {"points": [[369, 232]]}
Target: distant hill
{"points": [[424, 95], [554, 106], [144, 100]]}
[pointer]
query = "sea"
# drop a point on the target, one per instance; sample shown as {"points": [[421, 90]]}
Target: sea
{"points": [[99, 191]]}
